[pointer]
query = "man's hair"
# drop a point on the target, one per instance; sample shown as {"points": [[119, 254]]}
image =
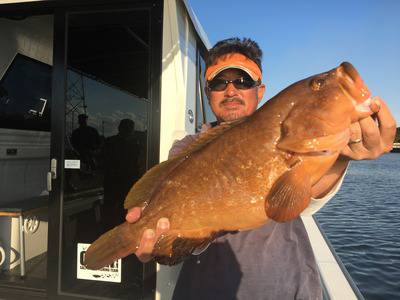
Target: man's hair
{"points": [[246, 46]]}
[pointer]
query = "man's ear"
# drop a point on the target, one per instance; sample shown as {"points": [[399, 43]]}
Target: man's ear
{"points": [[260, 92]]}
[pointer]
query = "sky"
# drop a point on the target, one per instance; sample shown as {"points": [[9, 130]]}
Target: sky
{"points": [[101, 115], [303, 38]]}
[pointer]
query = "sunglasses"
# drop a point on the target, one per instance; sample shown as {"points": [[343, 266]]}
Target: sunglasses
{"points": [[241, 83]]}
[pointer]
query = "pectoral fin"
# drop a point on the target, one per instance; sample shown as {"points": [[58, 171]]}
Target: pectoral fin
{"points": [[289, 195]]}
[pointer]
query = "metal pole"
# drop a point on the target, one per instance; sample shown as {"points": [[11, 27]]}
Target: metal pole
{"points": [[22, 245]]}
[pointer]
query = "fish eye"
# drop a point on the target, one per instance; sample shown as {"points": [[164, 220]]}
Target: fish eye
{"points": [[317, 84]]}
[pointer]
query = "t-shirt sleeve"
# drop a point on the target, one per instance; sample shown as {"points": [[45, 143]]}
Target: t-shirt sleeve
{"points": [[179, 145], [316, 204]]}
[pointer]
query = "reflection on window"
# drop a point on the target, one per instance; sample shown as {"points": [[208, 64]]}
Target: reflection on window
{"points": [[107, 109], [25, 92], [106, 128]]}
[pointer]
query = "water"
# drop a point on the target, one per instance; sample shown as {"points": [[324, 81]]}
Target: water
{"points": [[362, 223]]}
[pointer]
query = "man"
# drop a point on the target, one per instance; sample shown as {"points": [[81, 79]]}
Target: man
{"points": [[85, 139], [121, 170], [274, 261]]}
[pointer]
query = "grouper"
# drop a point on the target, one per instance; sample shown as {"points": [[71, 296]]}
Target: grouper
{"points": [[238, 175]]}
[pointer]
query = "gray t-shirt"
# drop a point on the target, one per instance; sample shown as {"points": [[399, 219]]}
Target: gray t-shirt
{"points": [[274, 261]]}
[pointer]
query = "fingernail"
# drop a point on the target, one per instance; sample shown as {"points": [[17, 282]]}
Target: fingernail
{"points": [[375, 105], [378, 103], [163, 223], [149, 233]]}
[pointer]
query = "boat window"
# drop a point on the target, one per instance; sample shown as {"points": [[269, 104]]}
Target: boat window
{"points": [[25, 138], [25, 92], [204, 113]]}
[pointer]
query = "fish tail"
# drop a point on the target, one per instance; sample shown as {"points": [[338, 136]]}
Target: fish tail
{"points": [[112, 245]]}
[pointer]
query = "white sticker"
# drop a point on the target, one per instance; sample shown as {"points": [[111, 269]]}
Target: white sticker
{"points": [[72, 164], [111, 273]]}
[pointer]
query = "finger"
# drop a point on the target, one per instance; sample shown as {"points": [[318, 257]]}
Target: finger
{"points": [[355, 148], [371, 136], [162, 227], [375, 105], [133, 214], [347, 152], [145, 249], [355, 151], [355, 131], [387, 125], [149, 239]]}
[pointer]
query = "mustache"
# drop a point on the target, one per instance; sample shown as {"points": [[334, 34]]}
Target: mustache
{"points": [[233, 99]]}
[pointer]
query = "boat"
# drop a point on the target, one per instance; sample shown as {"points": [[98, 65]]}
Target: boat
{"points": [[97, 63], [396, 147]]}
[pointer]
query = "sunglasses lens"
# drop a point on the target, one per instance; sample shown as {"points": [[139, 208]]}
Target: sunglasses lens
{"points": [[240, 83], [217, 84], [243, 83]]}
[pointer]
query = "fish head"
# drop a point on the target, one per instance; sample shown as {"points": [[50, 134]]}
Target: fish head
{"points": [[322, 108]]}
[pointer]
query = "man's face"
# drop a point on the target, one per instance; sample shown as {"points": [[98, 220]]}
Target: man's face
{"points": [[232, 103]]}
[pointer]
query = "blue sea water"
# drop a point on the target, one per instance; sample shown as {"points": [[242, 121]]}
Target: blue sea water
{"points": [[362, 223]]}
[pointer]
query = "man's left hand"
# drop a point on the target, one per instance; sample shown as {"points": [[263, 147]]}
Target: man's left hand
{"points": [[372, 136]]}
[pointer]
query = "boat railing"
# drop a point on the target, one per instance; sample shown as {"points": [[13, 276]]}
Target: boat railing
{"points": [[336, 280]]}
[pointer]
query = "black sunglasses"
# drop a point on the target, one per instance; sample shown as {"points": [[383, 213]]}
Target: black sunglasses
{"points": [[241, 83]]}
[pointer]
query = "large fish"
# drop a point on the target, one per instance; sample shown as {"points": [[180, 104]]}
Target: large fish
{"points": [[237, 176]]}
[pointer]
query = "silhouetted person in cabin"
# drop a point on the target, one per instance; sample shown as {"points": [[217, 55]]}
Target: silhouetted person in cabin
{"points": [[121, 170], [85, 140]]}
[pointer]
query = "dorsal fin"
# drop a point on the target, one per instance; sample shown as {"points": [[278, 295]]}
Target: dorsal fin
{"points": [[208, 136], [142, 191]]}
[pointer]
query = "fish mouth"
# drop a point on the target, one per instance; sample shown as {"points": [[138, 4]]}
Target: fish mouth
{"points": [[352, 84], [355, 89]]}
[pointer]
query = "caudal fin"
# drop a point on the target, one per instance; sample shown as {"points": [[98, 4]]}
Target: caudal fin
{"points": [[112, 245]]}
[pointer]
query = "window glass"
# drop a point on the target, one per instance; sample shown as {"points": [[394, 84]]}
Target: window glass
{"points": [[25, 92], [25, 139], [204, 113], [107, 110], [199, 95]]}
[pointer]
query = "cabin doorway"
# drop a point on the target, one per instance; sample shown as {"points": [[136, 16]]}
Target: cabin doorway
{"points": [[107, 108]]}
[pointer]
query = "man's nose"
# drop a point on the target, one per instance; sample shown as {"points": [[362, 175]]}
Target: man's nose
{"points": [[230, 90]]}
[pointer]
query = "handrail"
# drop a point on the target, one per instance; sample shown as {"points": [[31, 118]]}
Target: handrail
{"points": [[339, 262], [337, 282]]}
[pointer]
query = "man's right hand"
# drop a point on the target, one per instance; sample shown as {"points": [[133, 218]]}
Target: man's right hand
{"points": [[149, 237]]}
